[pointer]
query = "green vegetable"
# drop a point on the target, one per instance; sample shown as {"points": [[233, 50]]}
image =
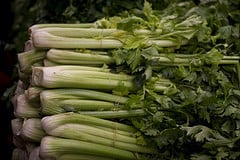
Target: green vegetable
{"points": [[25, 109], [31, 130], [95, 135], [79, 77], [28, 58], [82, 157], [58, 25], [64, 100], [51, 122], [43, 39], [68, 76], [116, 113], [52, 147], [75, 32], [48, 63], [78, 58], [82, 94], [33, 93], [76, 105], [120, 32]]}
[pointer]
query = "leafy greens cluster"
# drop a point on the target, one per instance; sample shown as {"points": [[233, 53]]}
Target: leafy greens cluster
{"points": [[199, 116]]}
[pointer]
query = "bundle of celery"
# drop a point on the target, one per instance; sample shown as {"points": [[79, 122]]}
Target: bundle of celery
{"points": [[158, 76], [88, 102], [92, 136], [27, 135]]}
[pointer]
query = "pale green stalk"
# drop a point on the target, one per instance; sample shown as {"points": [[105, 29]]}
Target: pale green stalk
{"points": [[51, 122], [83, 157], [28, 58], [76, 105], [32, 130], [85, 68], [43, 39], [47, 40], [24, 77], [232, 57], [82, 93], [24, 109], [48, 63], [77, 128], [73, 57], [72, 77], [33, 93], [229, 61], [117, 131], [148, 32], [76, 32], [52, 147], [64, 100], [95, 135], [115, 114], [59, 25], [186, 59]]}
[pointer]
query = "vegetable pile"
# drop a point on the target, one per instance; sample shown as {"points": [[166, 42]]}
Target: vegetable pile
{"points": [[149, 84]]}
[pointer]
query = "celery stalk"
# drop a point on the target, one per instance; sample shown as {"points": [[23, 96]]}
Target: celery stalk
{"points": [[48, 63], [24, 109], [32, 130], [84, 93], [47, 40], [64, 100], [89, 130], [28, 58], [83, 157], [51, 122], [72, 77], [75, 105], [115, 114], [76, 32], [43, 39], [33, 93], [88, 134], [71, 57], [50, 25], [52, 147]]}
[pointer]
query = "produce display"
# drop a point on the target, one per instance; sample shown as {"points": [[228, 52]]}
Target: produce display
{"points": [[149, 84]]}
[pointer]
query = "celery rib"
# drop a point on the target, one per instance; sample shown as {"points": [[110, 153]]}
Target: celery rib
{"points": [[52, 147]]}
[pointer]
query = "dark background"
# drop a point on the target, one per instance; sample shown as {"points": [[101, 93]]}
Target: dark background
{"points": [[7, 61]]}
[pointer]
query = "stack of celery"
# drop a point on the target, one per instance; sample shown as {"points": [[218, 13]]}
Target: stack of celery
{"points": [[83, 88]]}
